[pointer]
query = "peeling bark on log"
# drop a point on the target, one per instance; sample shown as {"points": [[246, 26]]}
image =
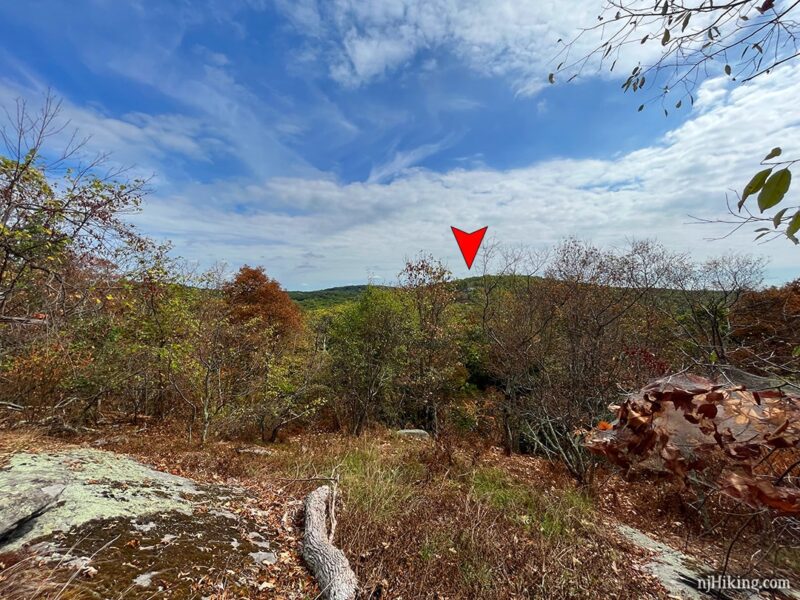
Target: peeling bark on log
{"points": [[22, 320], [328, 564]]}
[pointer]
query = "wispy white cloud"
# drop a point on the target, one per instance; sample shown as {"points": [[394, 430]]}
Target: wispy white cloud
{"points": [[304, 14], [369, 227], [514, 39], [402, 160], [136, 141], [154, 49]]}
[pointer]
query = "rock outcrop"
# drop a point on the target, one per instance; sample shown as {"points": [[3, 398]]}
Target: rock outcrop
{"points": [[132, 528]]}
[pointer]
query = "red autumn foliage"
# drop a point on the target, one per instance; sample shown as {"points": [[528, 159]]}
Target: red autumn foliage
{"points": [[766, 328], [758, 493], [252, 294], [688, 424]]}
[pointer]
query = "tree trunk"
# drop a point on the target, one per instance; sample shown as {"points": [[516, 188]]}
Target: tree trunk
{"points": [[359, 427], [273, 436], [328, 564], [206, 422], [508, 434]]}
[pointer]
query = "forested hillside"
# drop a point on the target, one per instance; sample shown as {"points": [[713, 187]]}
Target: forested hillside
{"points": [[327, 298]]}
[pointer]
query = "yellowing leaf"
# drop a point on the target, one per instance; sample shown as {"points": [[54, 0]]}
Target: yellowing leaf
{"points": [[755, 184], [794, 224], [776, 220], [774, 189]]}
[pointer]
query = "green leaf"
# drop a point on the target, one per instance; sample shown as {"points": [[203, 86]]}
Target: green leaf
{"points": [[641, 108], [776, 220], [796, 352], [713, 357], [686, 21], [644, 39], [774, 189], [551, 78], [776, 151], [678, 104], [756, 183], [794, 225], [665, 38], [727, 69]]}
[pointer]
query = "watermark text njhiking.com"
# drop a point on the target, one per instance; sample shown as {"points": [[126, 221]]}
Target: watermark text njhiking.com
{"points": [[729, 582]]}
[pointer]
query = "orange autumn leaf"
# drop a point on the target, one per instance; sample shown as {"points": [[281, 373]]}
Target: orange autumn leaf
{"points": [[604, 426]]}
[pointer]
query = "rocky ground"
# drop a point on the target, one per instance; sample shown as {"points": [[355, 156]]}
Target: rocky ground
{"points": [[221, 523], [135, 531]]}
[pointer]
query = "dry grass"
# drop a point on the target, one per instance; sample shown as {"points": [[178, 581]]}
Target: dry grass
{"points": [[416, 524], [26, 578], [445, 521], [419, 521], [423, 521], [22, 440]]}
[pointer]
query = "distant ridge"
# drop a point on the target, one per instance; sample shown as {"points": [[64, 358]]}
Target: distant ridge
{"points": [[327, 297]]}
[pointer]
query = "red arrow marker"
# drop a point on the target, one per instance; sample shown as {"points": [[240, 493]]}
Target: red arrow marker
{"points": [[469, 243]]}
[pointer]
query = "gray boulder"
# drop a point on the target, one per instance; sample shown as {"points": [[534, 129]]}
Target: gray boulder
{"points": [[417, 434], [24, 499]]}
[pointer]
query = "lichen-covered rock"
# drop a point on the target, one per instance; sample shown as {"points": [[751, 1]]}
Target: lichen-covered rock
{"points": [[136, 530], [93, 485]]}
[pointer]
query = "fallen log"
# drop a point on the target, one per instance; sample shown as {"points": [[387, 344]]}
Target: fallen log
{"points": [[257, 450], [328, 564], [23, 320]]}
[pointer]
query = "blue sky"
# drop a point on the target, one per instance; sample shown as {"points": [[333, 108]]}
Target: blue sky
{"points": [[329, 140]]}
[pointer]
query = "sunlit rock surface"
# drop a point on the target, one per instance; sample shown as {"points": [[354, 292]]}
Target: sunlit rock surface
{"points": [[131, 528]]}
